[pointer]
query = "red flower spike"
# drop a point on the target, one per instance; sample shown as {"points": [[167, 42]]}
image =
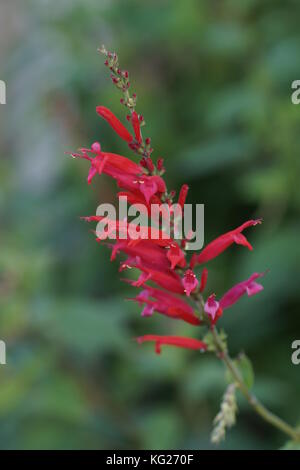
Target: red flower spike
{"points": [[203, 280], [190, 282], [178, 341], [136, 126], [114, 122], [220, 244], [156, 256]]}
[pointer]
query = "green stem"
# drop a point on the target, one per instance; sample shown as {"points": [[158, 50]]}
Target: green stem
{"points": [[254, 402]]}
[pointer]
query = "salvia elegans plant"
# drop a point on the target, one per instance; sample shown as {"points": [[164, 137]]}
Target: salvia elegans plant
{"points": [[170, 282]]}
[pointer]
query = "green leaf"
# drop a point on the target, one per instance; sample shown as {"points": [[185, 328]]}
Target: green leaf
{"points": [[245, 368], [291, 445]]}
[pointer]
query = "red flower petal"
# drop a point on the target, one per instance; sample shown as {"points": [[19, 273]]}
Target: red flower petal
{"points": [[182, 195], [190, 282], [217, 246], [166, 304], [203, 280], [136, 126], [178, 341], [249, 287], [176, 256], [212, 307], [114, 122]]}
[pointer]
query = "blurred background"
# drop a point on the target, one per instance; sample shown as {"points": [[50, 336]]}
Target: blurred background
{"points": [[214, 84]]}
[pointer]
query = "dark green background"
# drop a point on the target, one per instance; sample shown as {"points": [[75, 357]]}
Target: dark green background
{"points": [[214, 84]]}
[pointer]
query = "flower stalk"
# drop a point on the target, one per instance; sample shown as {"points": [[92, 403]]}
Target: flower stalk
{"points": [[258, 407]]}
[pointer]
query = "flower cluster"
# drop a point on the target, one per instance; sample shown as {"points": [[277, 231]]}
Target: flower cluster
{"points": [[167, 278]]}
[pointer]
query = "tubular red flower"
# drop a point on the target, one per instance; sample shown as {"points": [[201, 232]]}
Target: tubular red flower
{"points": [[183, 195], [149, 186], [176, 256], [128, 174], [249, 287], [149, 164], [148, 252], [114, 165], [190, 282], [220, 244], [122, 163], [160, 164], [178, 341], [135, 197], [212, 308], [166, 279], [169, 299], [203, 280], [114, 122], [136, 126], [215, 308], [151, 235], [166, 304]]}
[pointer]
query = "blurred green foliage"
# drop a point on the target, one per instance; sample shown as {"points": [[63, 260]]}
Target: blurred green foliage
{"points": [[214, 83]]}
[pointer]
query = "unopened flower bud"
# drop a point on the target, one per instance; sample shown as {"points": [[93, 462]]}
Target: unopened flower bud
{"points": [[150, 164], [143, 162], [96, 147], [160, 164]]}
